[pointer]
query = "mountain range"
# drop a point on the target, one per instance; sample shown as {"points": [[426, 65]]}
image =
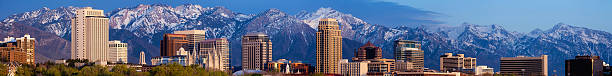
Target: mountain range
{"points": [[143, 26]]}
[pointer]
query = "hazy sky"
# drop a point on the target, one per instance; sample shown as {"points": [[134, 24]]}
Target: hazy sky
{"points": [[517, 15]]}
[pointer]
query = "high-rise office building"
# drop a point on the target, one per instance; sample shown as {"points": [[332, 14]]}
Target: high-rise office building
{"points": [[456, 63], [19, 50], [367, 51], [142, 58], [409, 51], [584, 66], [256, 51], [89, 35], [524, 66], [354, 68], [172, 43], [214, 53], [193, 37], [117, 51], [27, 44], [329, 47]]}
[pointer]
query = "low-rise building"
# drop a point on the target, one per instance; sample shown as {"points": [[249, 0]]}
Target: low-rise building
{"points": [[353, 68], [524, 66], [182, 57], [484, 70], [288, 67], [584, 66], [117, 52], [456, 63], [381, 66]]}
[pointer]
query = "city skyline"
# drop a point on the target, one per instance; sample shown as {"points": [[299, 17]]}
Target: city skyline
{"points": [[162, 35]]}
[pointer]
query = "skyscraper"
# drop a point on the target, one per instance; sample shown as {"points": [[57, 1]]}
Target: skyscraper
{"points": [[89, 35], [142, 58], [172, 43], [367, 51], [409, 51], [193, 37], [456, 63], [524, 66], [214, 53], [584, 66], [18, 49], [329, 47], [27, 45], [117, 52], [256, 51]]}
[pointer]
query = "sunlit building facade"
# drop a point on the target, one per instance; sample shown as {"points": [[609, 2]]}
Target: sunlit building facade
{"points": [[89, 35], [256, 51], [328, 47]]}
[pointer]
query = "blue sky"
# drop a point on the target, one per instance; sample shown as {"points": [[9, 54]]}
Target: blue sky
{"points": [[517, 15]]}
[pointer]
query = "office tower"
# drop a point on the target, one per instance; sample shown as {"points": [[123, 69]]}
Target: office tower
{"points": [[256, 51], [193, 37], [27, 45], [117, 52], [89, 35], [329, 47], [584, 66], [171, 43], [353, 68], [409, 51], [142, 58], [367, 51], [483, 70], [524, 66], [19, 50], [214, 53], [456, 63]]}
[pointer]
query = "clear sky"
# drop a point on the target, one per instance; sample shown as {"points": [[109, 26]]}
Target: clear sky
{"points": [[517, 15]]}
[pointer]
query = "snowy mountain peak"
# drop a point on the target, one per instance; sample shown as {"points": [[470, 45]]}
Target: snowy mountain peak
{"points": [[347, 20], [274, 11]]}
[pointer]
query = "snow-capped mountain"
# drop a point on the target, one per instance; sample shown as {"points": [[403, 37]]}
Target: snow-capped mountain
{"points": [[143, 26]]}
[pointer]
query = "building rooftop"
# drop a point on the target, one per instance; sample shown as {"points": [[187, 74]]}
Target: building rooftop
{"points": [[256, 34], [328, 19]]}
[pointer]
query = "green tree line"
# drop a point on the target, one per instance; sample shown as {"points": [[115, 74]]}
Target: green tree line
{"points": [[49, 69]]}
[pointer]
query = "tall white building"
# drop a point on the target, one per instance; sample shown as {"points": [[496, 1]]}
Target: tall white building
{"points": [[89, 37], [142, 58], [117, 52], [353, 68]]}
